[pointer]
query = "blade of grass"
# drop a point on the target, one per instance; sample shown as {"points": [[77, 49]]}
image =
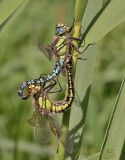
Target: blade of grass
{"points": [[11, 16], [115, 134], [7, 8], [92, 157], [84, 75], [111, 15], [66, 115]]}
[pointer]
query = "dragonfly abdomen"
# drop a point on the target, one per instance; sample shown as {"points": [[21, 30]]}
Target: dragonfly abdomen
{"points": [[41, 80], [66, 104]]}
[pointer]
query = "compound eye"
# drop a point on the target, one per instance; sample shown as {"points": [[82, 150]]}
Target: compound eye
{"points": [[60, 30], [57, 29]]}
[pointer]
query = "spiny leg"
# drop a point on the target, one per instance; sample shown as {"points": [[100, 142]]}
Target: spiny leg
{"points": [[56, 90], [71, 26], [87, 47], [80, 52], [79, 39], [74, 38], [42, 76], [82, 58], [50, 86]]}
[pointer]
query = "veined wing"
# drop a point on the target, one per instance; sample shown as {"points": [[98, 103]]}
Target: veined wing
{"points": [[42, 130], [63, 138], [46, 50], [32, 121]]}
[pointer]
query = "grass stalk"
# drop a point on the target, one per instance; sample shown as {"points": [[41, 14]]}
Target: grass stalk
{"points": [[80, 5], [115, 133]]}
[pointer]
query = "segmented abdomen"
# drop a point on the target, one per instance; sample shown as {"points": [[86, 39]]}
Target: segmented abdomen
{"points": [[45, 103], [65, 104], [58, 67]]}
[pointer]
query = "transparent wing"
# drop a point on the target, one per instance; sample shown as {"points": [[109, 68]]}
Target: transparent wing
{"points": [[63, 138], [42, 130], [32, 122], [63, 72], [66, 142], [46, 50]]}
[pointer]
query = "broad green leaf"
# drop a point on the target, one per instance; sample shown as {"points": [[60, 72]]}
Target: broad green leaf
{"points": [[83, 80], [111, 15], [115, 134], [7, 8]]}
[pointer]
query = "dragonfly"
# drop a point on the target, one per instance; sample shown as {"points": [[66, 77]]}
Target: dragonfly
{"points": [[60, 47], [56, 48], [41, 80], [42, 119], [42, 101], [44, 123]]}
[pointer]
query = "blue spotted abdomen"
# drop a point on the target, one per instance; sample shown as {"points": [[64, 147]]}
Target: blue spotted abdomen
{"points": [[59, 66]]}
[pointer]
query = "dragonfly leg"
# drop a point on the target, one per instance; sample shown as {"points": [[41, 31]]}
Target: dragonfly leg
{"points": [[71, 26], [81, 34], [36, 104], [87, 47], [42, 76], [49, 87], [74, 38], [82, 58], [80, 52], [60, 90]]}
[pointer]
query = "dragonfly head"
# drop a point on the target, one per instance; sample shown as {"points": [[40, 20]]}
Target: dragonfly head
{"points": [[61, 29], [33, 89]]}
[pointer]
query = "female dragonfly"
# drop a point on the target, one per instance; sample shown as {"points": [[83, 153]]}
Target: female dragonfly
{"points": [[45, 106], [45, 123]]}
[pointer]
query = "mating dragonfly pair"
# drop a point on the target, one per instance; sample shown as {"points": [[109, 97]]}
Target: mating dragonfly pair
{"points": [[62, 47]]}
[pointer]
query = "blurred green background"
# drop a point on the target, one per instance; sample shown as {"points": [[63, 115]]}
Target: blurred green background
{"points": [[21, 60]]}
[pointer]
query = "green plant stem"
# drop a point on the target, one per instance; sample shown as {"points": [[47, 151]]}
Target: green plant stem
{"points": [[84, 75], [80, 8], [65, 122]]}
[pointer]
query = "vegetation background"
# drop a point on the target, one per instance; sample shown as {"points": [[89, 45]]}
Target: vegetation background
{"points": [[21, 60]]}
